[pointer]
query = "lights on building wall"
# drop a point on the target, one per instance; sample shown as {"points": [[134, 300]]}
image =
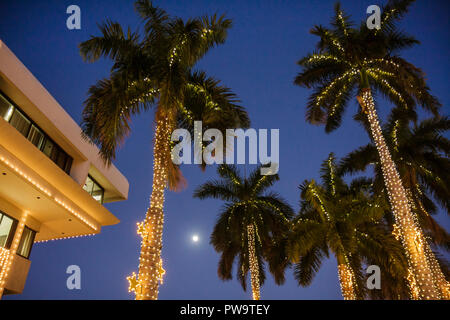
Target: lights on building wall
{"points": [[49, 194], [7, 256], [76, 214], [21, 173], [68, 237]]}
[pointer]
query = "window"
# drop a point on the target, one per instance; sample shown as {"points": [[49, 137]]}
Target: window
{"points": [[6, 108], [36, 136], [94, 189], [48, 148], [20, 122], [7, 228], [26, 242]]}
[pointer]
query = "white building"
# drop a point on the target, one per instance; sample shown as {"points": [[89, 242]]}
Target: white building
{"points": [[52, 181]]}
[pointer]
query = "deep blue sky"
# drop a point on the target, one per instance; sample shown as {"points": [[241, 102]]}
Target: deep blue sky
{"points": [[258, 62]]}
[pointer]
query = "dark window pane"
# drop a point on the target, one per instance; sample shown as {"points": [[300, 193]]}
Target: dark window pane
{"points": [[6, 108], [48, 147], [20, 122], [36, 136], [68, 164], [55, 153], [61, 159], [26, 242]]}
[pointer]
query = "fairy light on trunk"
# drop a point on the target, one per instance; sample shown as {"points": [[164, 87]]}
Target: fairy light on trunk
{"points": [[145, 285], [442, 284], [347, 281], [408, 228], [253, 262]]}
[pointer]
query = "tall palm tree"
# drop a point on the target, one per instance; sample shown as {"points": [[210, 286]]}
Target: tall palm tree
{"points": [[355, 60], [156, 69], [251, 226], [346, 220], [421, 155]]}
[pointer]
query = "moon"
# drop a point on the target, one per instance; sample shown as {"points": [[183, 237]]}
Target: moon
{"points": [[195, 238]]}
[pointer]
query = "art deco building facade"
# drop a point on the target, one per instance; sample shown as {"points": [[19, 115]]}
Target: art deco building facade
{"points": [[52, 182]]}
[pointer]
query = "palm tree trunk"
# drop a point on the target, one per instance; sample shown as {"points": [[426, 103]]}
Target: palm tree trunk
{"points": [[442, 284], [151, 272], [346, 278], [411, 234], [253, 262]]}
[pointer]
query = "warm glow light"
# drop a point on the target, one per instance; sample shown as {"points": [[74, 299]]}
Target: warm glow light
{"points": [[81, 217], [145, 284], [7, 255], [423, 282], [253, 262]]}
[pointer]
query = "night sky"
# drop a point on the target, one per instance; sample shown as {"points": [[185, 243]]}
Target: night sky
{"points": [[258, 61]]}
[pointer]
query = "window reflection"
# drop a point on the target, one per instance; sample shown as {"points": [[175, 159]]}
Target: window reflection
{"points": [[26, 242], [94, 189], [36, 136], [7, 228]]}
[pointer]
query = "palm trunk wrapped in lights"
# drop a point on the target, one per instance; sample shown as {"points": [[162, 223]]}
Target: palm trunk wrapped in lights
{"points": [[347, 281], [151, 272], [253, 262], [441, 283], [410, 232]]}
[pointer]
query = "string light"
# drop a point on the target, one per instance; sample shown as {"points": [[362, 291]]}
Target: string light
{"points": [[46, 191], [408, 228], [347, 281], [253, 262], [7, 256], [145, 284], [68, 237]]}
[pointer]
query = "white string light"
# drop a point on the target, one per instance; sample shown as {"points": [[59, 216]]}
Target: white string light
{"points": [[253, 263], [145, 285], [407, 228]]}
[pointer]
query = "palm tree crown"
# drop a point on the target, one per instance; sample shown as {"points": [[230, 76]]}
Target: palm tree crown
{"points": [[421, 154], [358, 61], [350, 58], [346, 220], [252, 222], [156, 69]]}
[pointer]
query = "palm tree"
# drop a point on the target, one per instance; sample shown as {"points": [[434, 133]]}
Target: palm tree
{"points": [[156, 69], [421, 155], [360, 60], [251, 226], [346, 220]]}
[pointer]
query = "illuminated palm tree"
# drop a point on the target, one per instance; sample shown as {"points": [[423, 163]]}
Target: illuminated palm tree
{"points": [[357, 61], [346, 220], [421, 155], [251, 226], [155, 70]]}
